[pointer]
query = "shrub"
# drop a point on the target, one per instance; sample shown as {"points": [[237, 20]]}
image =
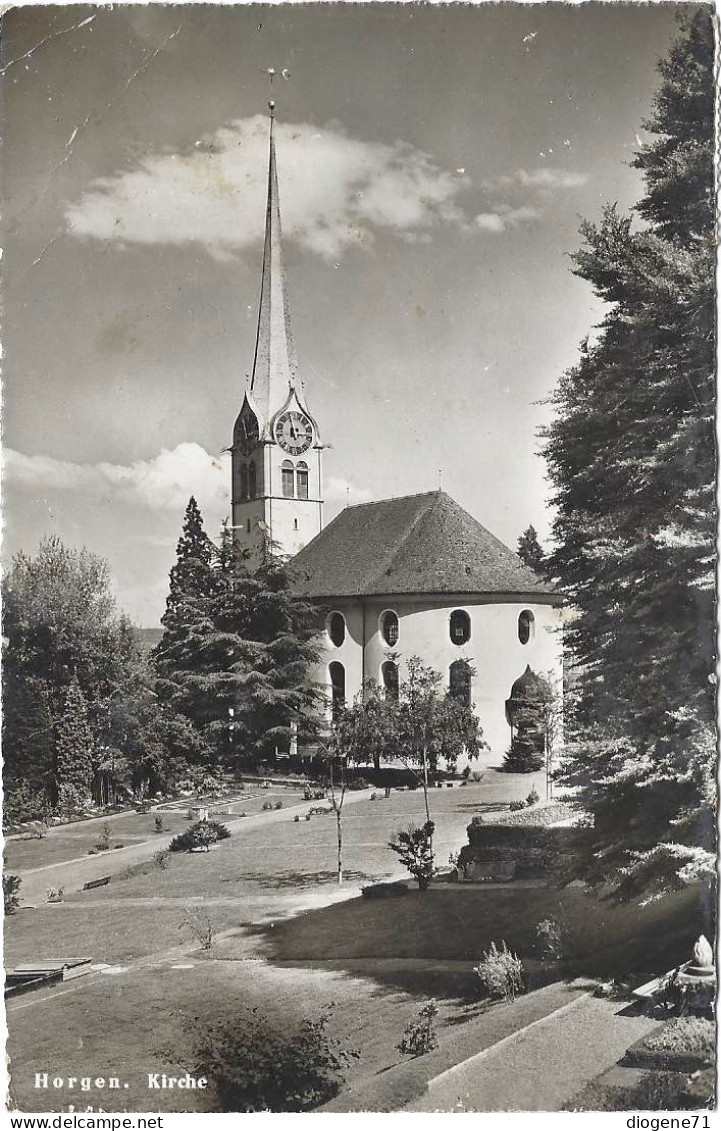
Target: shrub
{"points": [[11, 893], [359, 783], [38, 830], [161, 859], [158, 824], [55, 895], [254, 1065], [477, 775], [453, 858], [413, 847], [22, 803], [308, 815], [278, 805], [297, 817], [500, 972], [550, 939], [104, 839], [267, 805], [385, 891], [466, 773], [533, 797], [200, 835], [516, 806], [200, 926], [374, 797], [420, 1036], [683, 1044]]}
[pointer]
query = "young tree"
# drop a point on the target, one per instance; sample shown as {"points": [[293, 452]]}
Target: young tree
{"points": [[631, 455], [530, 552]]}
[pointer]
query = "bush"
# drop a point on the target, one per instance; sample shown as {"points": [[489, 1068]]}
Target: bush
{"points": [[550, 939], [533, 797], [161, 859], [158, 824], [385, 891], [683, 1044], [278, 805], [11, 893], [22, 803], [358, 783], [200, 835], [297, 817], [516, 806], [420, 1036], [466, 773], [200, 926], [104, 839], [500, 972], [267, 806], [55, 895], [413, 847], [255, 1065], [477, 775], [374, 797]]}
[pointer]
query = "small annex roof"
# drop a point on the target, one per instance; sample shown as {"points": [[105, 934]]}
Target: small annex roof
{"points": [[415, 544]]}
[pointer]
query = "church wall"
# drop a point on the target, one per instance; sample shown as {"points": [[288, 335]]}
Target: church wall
{"points": [[494, 649]]}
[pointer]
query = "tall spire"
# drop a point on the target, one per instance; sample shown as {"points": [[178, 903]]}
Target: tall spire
{"points": [[275, 367]]}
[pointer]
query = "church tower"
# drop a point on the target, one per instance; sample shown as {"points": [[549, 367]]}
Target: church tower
{"points": [[276, 451]]}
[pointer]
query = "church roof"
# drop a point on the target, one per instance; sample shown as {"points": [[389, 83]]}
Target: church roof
{"points": [[415, 544]]}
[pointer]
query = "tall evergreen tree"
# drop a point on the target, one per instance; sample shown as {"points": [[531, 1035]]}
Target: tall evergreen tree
{"points": [[73, 751], [631, 455], [529, 550]]}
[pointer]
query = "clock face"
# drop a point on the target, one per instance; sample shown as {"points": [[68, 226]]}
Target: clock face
{"points": [[294, 432], [246, 432]]}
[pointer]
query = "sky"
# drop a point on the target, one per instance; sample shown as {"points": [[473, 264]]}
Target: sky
{"points": [[434, 164]]}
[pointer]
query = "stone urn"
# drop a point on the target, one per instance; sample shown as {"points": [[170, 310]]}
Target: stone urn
{"points": [[697, 977]]}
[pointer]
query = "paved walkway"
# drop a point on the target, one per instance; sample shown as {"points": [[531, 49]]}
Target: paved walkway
{"points": [[74, 874], [543, 1065]]}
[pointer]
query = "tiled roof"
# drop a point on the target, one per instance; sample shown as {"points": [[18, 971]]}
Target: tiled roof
{"points": [[415, 544]]}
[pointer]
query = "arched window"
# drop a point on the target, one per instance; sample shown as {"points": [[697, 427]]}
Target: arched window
{"points": [[526, 626], [389, 674], [460, 626], [389, 628], [302, 479], [286, 473], [460, 682], [243, 481], [336, 628], [252, 482], [336, 672]]}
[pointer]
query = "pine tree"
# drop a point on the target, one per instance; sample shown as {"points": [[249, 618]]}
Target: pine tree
{"points": [[631, 456], [73, 751], [529, 550]]}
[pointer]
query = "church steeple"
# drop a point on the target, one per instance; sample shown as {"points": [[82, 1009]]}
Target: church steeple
{"points": [[275, 366]]}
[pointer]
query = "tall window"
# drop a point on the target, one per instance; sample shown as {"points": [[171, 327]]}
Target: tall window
{"points": [[252, 480], [302, 479], [243, 481], [389, 674], [460, 682], [389, 628], [336, 672], [526, 626], [336, 628], [286, 472], [460, 626]]}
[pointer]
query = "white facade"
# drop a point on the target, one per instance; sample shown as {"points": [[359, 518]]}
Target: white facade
{"points": [[494, 648]]}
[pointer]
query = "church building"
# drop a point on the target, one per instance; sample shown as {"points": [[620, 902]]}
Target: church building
{"points": [[403, 577]]}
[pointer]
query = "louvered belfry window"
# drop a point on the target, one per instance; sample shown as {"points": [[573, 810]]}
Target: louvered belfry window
{"points": [[460, 626], [389, 628]]}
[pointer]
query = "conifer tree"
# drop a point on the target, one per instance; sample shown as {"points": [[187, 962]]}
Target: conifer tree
{"points": [[529, 550], [632, 459], [73, 751]]}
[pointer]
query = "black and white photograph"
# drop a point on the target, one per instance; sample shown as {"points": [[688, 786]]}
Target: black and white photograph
{"points": [[359, 684]]}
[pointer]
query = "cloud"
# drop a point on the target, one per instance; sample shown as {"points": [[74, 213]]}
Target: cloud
{"points": [[336, 192], [505, 217], [543, 178], [163, 483]]}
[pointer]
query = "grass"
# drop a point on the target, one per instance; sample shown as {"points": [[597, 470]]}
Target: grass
{"points": [[682, 1044]]}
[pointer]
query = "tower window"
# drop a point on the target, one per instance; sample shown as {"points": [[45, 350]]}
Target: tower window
{"points": [[389, 675], [243, 481], [460, 626], [336, 628], [252, 481], [286, 472], [295, 523], [526, 626], [302, 479], [336, 672], [460, 682], [247, 526], [389, 628]]}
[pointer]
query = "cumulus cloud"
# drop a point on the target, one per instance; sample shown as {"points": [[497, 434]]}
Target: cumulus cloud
{"points": [[163, 483], [336, 192], [505, 217]]}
